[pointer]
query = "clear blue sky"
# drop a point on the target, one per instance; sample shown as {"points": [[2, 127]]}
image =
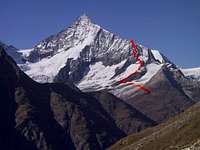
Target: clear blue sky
{"points": [[172, 26]]}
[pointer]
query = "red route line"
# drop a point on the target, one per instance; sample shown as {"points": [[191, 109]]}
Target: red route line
{"points": [[140, 87], [141, 62]]}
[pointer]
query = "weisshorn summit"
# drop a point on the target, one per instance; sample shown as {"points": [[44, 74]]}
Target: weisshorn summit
{"points": [[95, 59]]}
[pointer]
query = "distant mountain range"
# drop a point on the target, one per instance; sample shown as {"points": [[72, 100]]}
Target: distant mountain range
{"points": [[79, 95]]}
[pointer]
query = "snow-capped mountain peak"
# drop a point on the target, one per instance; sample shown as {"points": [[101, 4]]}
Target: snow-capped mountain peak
{"points": [[84, 20], [80, 32], [89, 56]]}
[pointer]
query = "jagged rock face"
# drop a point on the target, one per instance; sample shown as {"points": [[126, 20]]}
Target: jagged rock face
{"points": [[56, 116]]}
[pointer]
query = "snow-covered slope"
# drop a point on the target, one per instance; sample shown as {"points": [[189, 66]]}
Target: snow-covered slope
{"points": [[25, 52], [192, 72], [91, 57]]}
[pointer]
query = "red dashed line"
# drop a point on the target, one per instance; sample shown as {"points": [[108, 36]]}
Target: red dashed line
{"points": [[141, 62]]}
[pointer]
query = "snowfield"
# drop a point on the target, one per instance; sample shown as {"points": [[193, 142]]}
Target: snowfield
{"points": [[192, 72]]}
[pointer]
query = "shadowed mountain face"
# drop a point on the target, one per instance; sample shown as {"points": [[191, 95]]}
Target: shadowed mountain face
{"points": [[127, 118], [57, 116], [27, 118]]}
